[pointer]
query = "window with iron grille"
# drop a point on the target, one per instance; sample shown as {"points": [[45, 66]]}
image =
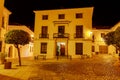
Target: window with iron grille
{"points": [[44, 48], [79, 48]]}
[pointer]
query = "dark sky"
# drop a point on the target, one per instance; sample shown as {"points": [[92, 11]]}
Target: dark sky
{"points": [[106, 12]]}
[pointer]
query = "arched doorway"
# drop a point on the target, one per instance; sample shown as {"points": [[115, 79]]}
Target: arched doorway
{"points": [[10, 51]]}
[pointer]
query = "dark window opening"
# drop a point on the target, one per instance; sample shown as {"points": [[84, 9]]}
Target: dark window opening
{"points": [[44, 48], [79, 48]]}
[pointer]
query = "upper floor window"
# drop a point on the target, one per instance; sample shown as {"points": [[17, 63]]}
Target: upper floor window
{"points": [[3, 22], [102, 35], [79, 31], [79, 15], [44, 32], [61, 16], [44, 17]]}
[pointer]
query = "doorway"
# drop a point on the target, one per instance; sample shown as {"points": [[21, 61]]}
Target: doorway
{"points": [[60, 49], [10, 51]]}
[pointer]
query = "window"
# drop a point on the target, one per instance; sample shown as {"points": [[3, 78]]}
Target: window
{"points": [[79, 48], [44, 17], [0, 46], [61, 16], [61, 30], [3, 23], [93, 48], [44, 48], [102, 35], [31, 49], [79, 15], [93, 38], [44, 31], [79, 31]]}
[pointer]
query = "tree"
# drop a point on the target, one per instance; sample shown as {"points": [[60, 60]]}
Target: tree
{"points": [[113, 38], [109, 38], [17, 37]]}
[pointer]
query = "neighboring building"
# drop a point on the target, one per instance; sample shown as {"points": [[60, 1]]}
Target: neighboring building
{"points": [[63, 32], [26, 50], [3, 27], [98, 45]]}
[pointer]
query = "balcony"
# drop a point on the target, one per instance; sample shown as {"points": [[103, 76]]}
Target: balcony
{"points": [[43, 35], [78, 35], [60, 35]]}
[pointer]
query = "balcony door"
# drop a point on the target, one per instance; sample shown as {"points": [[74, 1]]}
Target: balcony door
{"points": [[61, 31], [79, 31], [44, 31]]}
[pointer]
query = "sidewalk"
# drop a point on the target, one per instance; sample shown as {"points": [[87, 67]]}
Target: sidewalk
{"points": [[21, 72]]}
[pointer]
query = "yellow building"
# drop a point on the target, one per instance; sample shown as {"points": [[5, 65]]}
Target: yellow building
{"points": [[98, 44], [3, 28], [1, 11], [26, 50], [63, 32]]}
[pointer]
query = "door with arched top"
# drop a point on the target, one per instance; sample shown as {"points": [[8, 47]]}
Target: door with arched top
{"points": [[10, 51]]}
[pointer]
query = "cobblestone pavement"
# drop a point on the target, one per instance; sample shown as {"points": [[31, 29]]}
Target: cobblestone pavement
{"points": [[102, 67]]}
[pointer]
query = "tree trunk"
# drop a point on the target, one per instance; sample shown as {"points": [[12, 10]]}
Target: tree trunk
{"points": [[18, 49]]}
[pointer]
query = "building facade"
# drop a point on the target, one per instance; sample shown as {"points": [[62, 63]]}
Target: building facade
{"points": [[4, 27], [98, 43], [1, 11], [63, 32], [26, 50]]}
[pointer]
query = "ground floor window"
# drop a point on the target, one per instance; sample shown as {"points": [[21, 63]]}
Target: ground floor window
{"points": [[0, 46], [79, 48], [44, 48], [93, 48]]}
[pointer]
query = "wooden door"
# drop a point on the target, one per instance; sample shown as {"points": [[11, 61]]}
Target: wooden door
{"points": [[62, 50]]}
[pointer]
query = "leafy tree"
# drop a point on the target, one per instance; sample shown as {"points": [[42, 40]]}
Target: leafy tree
{"points": [[109, 38], [113, 38], [17, 37]]}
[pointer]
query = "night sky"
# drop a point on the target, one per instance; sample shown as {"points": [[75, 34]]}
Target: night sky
{"points": [[106, 12]]}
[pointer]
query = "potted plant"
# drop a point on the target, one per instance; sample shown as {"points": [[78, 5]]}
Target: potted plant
{"points": [[3, 57]]}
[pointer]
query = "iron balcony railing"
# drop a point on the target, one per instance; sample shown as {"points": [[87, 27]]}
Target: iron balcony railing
{"points": [[43, 35], [60, 35], [78, 35]]}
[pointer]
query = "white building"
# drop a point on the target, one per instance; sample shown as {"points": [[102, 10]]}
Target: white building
{"points": [[98, 44], [63, 32], [26, 50]]}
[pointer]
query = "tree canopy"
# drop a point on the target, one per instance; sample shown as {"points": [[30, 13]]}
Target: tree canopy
{"points": [[17, 37], [113, 38]]}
